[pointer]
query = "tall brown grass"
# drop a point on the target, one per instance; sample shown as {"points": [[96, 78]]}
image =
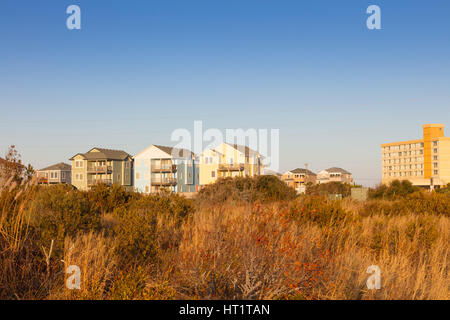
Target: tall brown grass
{"points": [[130, 246]]}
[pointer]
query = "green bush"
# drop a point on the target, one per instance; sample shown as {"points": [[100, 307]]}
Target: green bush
{"points": [[396, 189], [60, 211], [326, 189], [240, 189], [319, 210]]}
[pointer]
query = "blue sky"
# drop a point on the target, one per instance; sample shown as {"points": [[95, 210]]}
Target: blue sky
{"points": [[137, 70]]}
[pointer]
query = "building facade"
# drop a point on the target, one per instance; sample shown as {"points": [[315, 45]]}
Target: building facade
{"points": [[229, 160], [160, 168], [102, 166], [334, 175], [60, 173], [299, 178], [425, 162]]}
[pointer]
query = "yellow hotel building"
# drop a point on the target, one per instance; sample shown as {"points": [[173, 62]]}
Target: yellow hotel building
{"points": [[425, 162]]}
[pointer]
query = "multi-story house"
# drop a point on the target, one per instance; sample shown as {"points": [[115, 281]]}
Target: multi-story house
{"points": [[334, 175], [425, 162], [299, 178], [102, 166], [60, 173], [229, 160], [160, 167]]}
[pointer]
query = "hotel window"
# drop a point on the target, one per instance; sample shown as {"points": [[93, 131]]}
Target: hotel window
{"points": [[435, 165], [435, 143], [435, 157], [421, 151], [435, 150], [436, 172]]}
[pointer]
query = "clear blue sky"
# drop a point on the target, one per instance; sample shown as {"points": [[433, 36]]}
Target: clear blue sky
{"points": [[140, 69]]}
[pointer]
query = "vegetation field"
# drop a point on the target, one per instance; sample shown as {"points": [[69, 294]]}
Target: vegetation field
{"points": [[238, 239]]}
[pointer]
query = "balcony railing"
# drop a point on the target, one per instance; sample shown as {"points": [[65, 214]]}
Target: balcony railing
{"points": [[231, 167], [164, 181], [99, 169], [42, 180], [92, 182], [164, 168]]}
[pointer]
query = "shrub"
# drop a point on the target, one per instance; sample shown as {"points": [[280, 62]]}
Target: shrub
{"points": [[319, 210], [239, 189], [396, 189], [326, 189]]}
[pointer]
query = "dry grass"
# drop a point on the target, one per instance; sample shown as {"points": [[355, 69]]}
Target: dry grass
{"points": [[302, 249]]}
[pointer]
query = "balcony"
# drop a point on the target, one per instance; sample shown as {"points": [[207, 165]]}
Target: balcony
{"points": [[231, 167], [92, 182], [164, 168], [42, 180], [164, 181], [99, 169]]}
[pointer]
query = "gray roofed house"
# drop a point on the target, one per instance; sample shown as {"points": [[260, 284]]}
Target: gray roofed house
{"points": [[60, 173], [334, 174], [102, 166]]}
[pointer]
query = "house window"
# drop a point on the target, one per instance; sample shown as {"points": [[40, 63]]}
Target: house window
{"points": [[63, 175], [213, 174], [435, 150], [79, 164], [435, 143], [435, 157], [436, 172], [435, 165]]}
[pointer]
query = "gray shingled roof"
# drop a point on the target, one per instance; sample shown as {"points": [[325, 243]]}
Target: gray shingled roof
{"points": [[60, 166], [335, 169], [104, 154], [302, 171]]}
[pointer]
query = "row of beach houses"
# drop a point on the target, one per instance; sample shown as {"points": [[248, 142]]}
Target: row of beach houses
{"points": [[177, 170]]}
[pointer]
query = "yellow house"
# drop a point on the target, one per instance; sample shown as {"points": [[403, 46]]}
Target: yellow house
{"points": [[425, 162], [229, 160]]}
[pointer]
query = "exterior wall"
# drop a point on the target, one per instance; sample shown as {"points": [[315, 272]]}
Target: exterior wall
{"points": [[209, 170], [118, 175], [142, 181], [59, 176], [79, 183], [187, 176], [444, 161]]}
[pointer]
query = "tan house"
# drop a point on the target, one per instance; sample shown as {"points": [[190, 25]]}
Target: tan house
{"points": [[102, 166], [299, 178], [56, 174], [334, 175]]}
